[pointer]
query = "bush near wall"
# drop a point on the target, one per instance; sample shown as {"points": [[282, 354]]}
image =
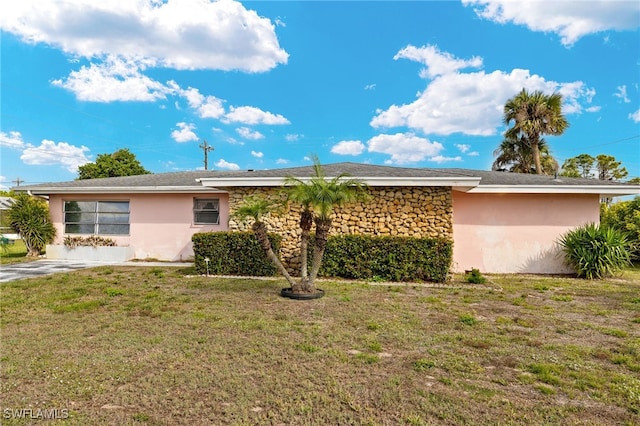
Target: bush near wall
{"points": [[233, 253], [387, 258]]}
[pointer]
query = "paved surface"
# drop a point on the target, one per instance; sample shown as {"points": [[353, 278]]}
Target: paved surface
{"points": [[18, 271]]}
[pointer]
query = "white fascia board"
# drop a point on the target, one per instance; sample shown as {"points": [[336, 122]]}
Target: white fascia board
{"points": [[123, 190], [465, 182], [557, 189]]}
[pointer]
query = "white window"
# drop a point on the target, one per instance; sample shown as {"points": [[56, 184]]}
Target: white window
{"points": [[96, 217], [206, 211]]}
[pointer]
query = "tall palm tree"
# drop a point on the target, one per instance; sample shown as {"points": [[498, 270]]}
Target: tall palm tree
{"points": [[534, 115], [515, 155]]}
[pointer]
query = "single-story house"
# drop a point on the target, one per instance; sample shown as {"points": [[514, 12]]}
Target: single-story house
{"points": [[499, 222]]}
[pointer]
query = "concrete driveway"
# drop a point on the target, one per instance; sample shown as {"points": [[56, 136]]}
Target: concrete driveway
{"points": [[18, 271]]}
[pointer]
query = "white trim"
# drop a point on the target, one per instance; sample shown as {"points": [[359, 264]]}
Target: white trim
{"points": [[464, 182], [128, 190], [611, 190]]}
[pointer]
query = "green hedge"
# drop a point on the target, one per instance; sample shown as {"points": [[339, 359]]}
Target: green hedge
{"points": [[387, 258], [233, 253]]}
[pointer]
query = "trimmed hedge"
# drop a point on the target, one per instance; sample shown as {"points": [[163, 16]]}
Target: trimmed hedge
{"points": [[386, 258], [233, 253]]}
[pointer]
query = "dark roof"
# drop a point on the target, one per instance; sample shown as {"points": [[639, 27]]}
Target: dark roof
{"points": [[187, 180]]}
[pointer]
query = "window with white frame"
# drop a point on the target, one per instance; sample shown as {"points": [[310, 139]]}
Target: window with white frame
{"points": [[206, 211], [96, 217]]}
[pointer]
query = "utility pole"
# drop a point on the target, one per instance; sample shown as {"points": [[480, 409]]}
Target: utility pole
{"points": [[18, 181], [206, 148]]}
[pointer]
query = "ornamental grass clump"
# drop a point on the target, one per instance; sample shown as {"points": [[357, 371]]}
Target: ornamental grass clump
{"points": [[594, 251]]}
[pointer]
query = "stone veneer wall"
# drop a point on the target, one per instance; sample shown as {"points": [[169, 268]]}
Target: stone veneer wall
{"points": [[420, 212]]}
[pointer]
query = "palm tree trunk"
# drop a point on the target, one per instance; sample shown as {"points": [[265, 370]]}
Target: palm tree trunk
{"points": [[535, 148], [260, 231], [306, 221], [322, 235]]}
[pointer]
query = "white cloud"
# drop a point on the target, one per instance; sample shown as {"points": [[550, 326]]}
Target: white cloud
{"points": [[594, 108], [205, 106], [185, 133], [370, 86], [51, 153], [571, 20], [113, 80], [282, 161], [12, 140], [635, 116], [348, 148], [463, 147], [292, 137], [252, 115], [471, 103], [222, 164], [622, 94], [473, 154], [441, 159], [179, 34], [404, 147], [436, 62], [247, 133], [257, 154]]}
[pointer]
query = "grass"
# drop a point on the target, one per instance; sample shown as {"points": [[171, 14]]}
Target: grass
{"points": [[14, 253], [142, 345]]}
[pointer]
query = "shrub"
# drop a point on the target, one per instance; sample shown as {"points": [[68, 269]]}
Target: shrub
{"points": [[595, 251], [624, 216], [91, 241], [387, 258], [29, 216], [475, 277], [233, 253]]}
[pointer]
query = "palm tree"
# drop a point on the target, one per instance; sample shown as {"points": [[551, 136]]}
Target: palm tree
{"points": [[256, 208], [515, 155], [29, 217], [318, 197], [533, 115]]}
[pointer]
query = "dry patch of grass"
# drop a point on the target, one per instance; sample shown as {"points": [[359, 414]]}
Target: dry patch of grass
{"points": [[148, 345]]}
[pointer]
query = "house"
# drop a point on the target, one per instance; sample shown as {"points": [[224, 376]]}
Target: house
{"points": [[6, 232], [499, 222]]}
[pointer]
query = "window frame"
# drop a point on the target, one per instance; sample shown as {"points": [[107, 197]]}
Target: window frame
{"points": [[196, 210], [98, 213]]}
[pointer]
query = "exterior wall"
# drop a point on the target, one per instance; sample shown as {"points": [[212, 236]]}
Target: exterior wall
{"points": [[161, 225], [516, 233], [419, 212]]}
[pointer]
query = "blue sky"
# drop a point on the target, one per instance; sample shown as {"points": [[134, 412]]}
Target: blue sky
{"points": [[415, 83]]}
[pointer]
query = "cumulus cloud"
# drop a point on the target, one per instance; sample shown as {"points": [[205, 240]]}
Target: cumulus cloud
{"points": [[185, 133], [292, 137], [621, 93], [113, 80], [51, 153], [469, 102], [348, 148], [463, 147], [571, 20], [635, 116], [222, 164], [179, 34], [247, 133], [282, 161], [12, 140], [404, 147], [442, 159], [252, 115], [257, 154], [205, 106]]}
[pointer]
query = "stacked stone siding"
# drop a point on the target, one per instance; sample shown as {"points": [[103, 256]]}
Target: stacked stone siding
{"points": [[420, 212]]}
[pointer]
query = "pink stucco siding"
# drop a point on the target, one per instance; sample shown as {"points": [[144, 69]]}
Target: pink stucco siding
{"points": [[515, 233], [161, 224]]}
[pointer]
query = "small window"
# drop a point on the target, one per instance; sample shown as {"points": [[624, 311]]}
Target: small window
{"points": [[206, 211], [96, 217]]}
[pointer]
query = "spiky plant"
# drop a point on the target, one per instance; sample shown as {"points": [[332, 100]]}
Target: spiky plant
{"points": [[595, 251], [29, 217]]}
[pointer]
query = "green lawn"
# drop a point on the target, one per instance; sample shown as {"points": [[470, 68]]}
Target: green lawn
{"points": [[148, 345], [14, 253]]}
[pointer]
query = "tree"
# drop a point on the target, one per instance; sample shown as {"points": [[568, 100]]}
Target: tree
{"points": [[29, 217], [534, 115], [515, 155], [624, 216], [121, 163], [318, 196], [609, 168], [635, 181], [578, 167]]}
